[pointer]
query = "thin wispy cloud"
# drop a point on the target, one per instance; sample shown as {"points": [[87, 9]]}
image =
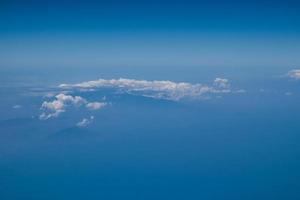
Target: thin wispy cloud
{"points": [[85, 122], [17, 107]]}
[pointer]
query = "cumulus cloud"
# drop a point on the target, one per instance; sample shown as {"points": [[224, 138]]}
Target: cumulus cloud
{"points": [[221, 83], [76, 100], [168, 90], [294, 74], [85, 122], [54, 108]]}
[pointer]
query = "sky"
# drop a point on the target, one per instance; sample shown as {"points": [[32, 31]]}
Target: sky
{"points": [[196, 34], [149, 100]]}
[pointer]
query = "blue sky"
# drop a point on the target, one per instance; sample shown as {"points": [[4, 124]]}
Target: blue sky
{"points": [[199, 34], [149, 100]]}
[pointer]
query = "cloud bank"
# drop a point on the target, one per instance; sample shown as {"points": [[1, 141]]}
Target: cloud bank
{"points": [[294, 74], [52, 109], [167, 90]]}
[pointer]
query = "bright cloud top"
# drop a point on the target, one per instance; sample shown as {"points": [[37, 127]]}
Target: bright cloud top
{"points": [[294, 74], [95, 105], [62, 101], [156, 89], [221, 83]]}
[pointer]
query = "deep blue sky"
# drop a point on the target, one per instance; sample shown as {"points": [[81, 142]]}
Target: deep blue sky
{"points": [[201, 34]]}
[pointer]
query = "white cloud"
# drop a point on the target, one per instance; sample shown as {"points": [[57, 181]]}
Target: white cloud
{"points": [[56, 107], [52, 109], [85, 122], [17, 106], [294, 74], [76, 100], [95, 105], [156, 89], [221, 83]]}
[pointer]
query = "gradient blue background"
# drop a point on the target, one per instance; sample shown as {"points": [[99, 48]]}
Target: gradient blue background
{"points": [[193, 34], [237, 147]]}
